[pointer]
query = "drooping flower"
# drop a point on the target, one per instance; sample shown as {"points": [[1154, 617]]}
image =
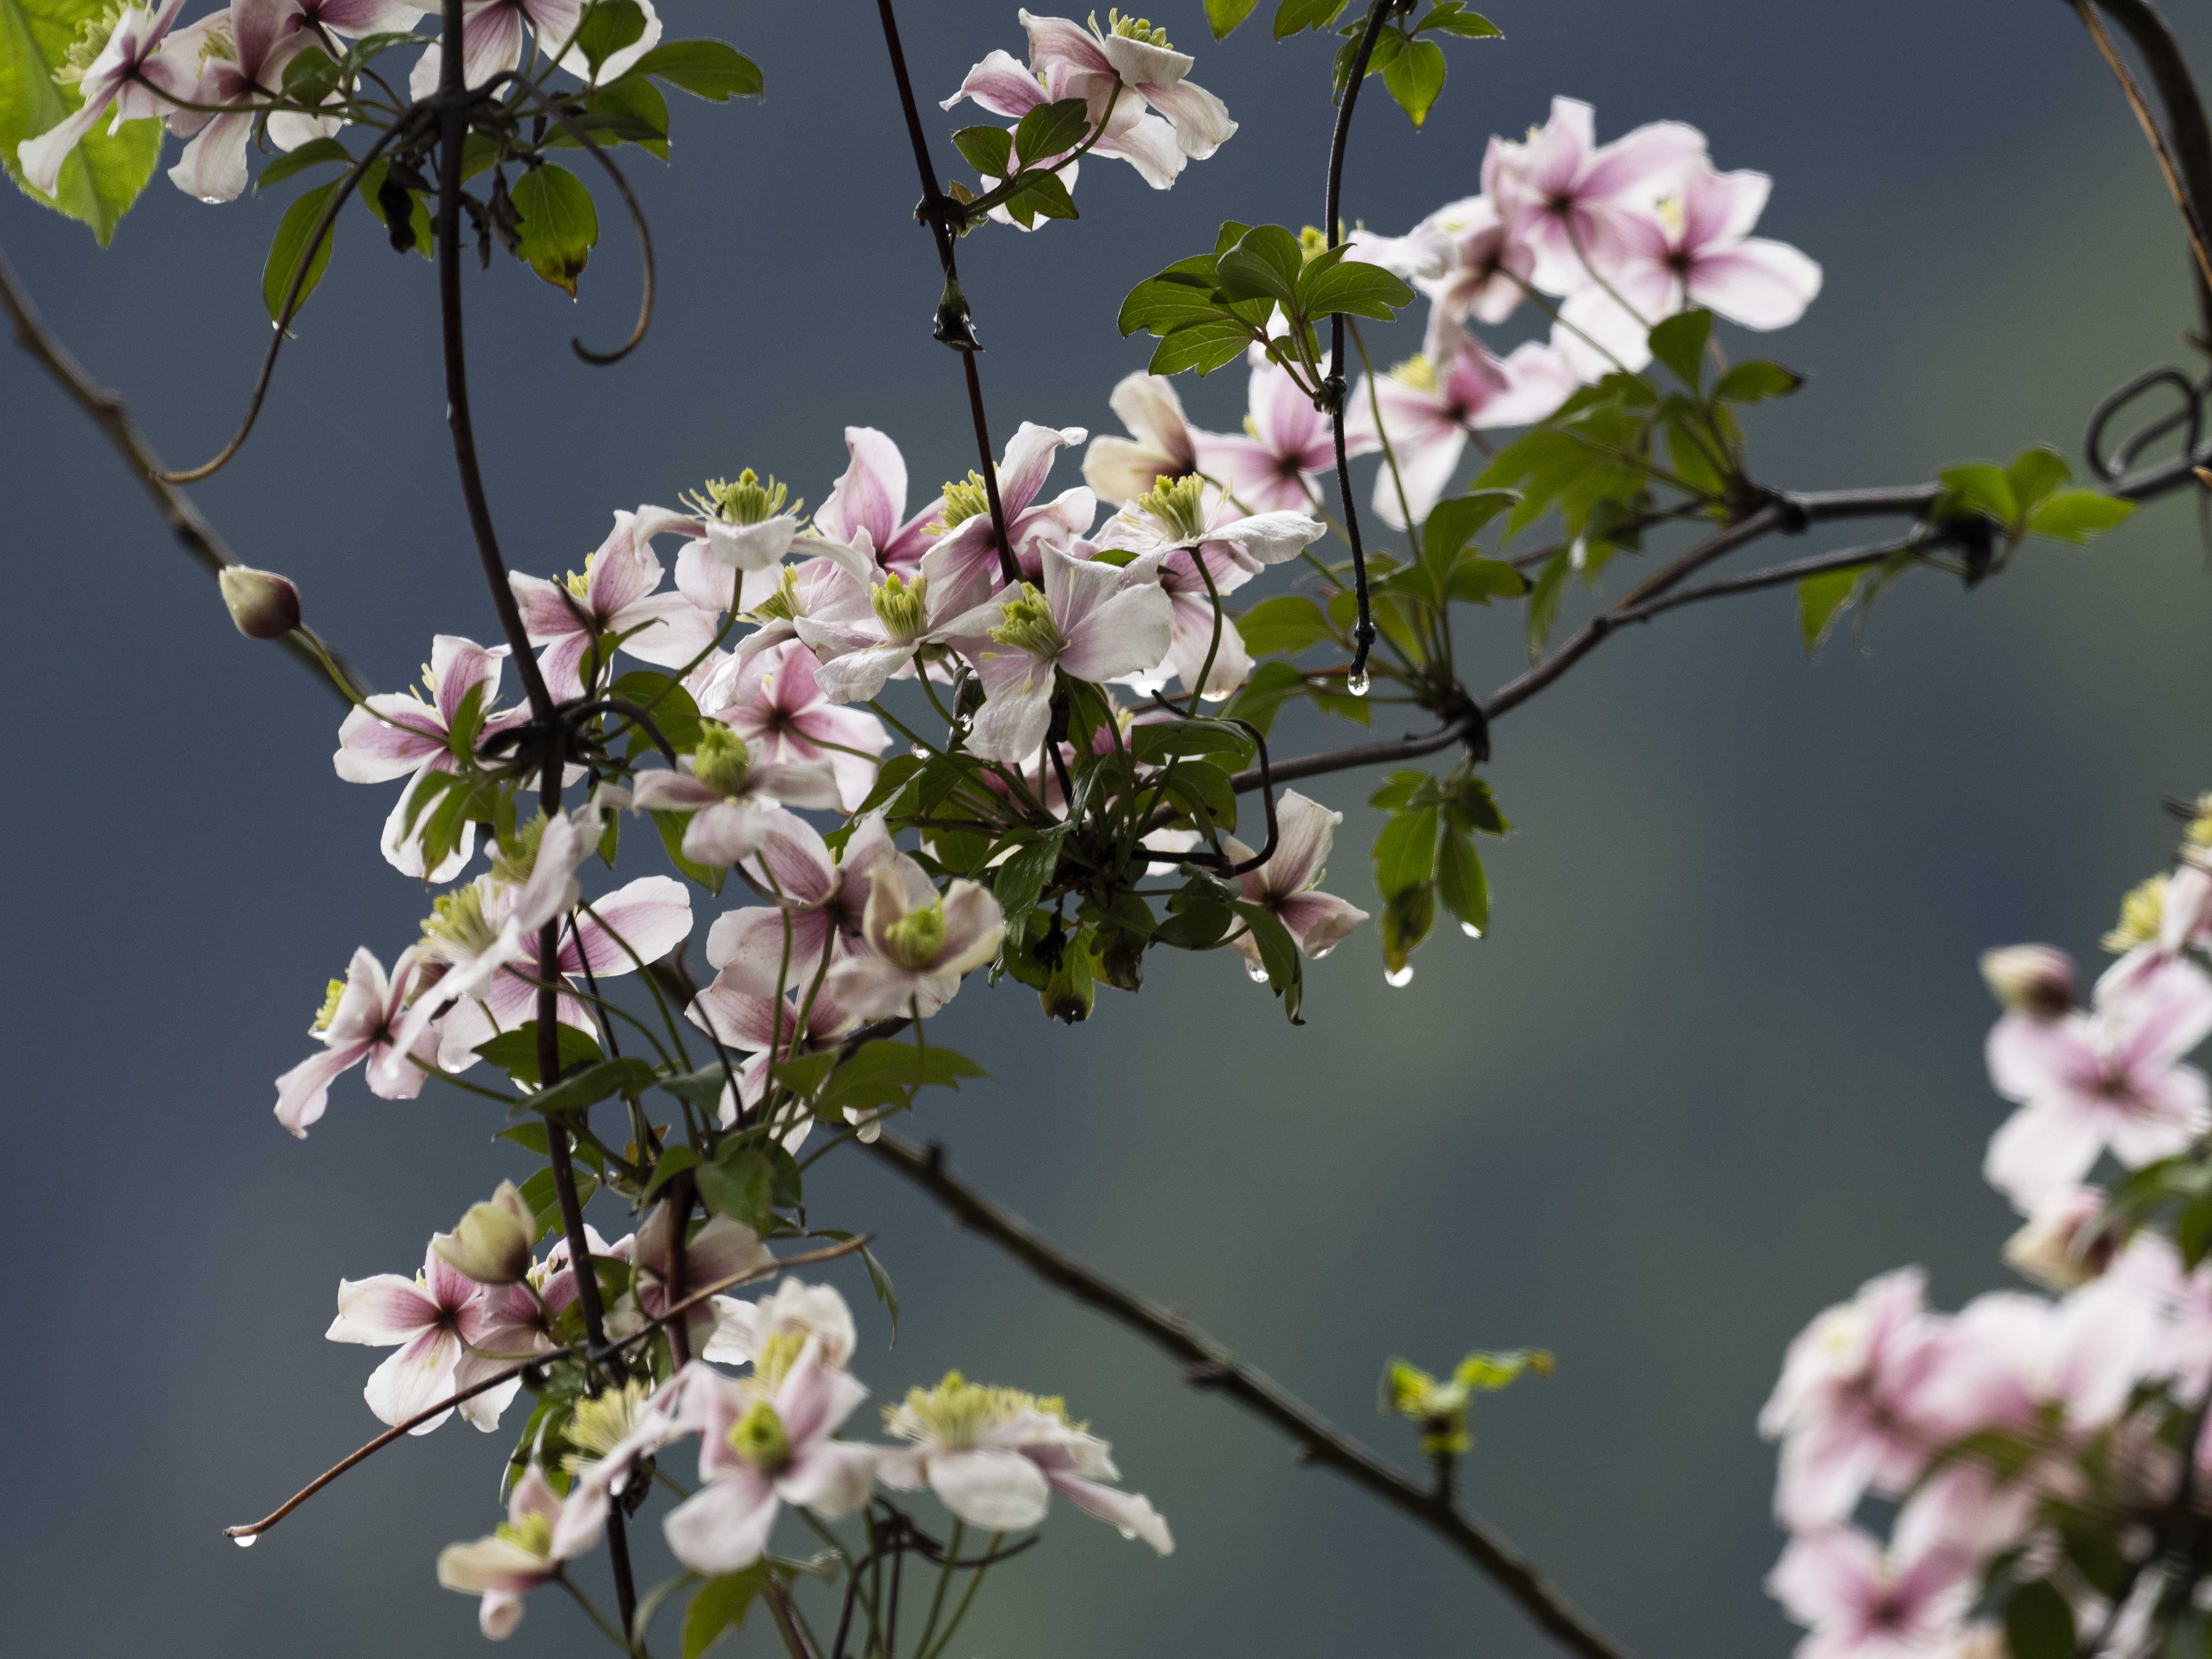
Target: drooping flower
{"points": [[995, 1456], [2108, 1078], [1133, 55], [401, 735], [761, 1447], [491, 40], [825, 898], [1286, 443], [123, 69], [719, 1250], [612, 598], [728, 797], [359, 1021], [1285, 884], [775, 700], [1133, 134], [518, 1556], [921, 944], [437, 1322], [770, 1333], [1093, 620], [238, 57], [869, 497], [1864, 1603], [1161, 443], [962, 567]]}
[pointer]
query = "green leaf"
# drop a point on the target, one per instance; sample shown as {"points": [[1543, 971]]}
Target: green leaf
{"points": [[1265, 264], [515, 1052], [1291, 15], [990, 151], [1451, 17], [1406, 851], [2075, 515], [1222, 15], [608, 27], [705, 69], [1551, 586], [1979, 487], [1415, 77], [1461, 884], [1051, 130], [1406, 920], [1754, 381], [311, 77], [671, 1162], [721, 1605], [1042, 196], [1169, 301], [1022, 878], [1154, 744], [560, 226], [1289, 623], [103, 176], [1454, 522], [1272, 685], [1355, 287], [1204, 346], [1278, 956], [1470, 806], [741, 1185], [539, 1193], [290, 247], [635, 110], [371, 183], [1820, 600], [1487, 1373], [666, 703], [2038, 1622], [2034, 474], [626, 1075], [1401, 789], [1476, 580], [1679, 343], [316, 152]]}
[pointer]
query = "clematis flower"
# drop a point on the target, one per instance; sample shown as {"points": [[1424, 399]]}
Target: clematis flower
{"points": [[436, 1319], [1428, 406], [922, 944], [1569, 198], [825, 898], [738, 532], [2024, 1363], [962, 567], [1850, 1398], [1133, 134], [359, 1021], [770, 1333], [1175, 515], [869, 497], [742, 1010], [834, 581], [995, 1457], [1161, 443], [491, 40], [761, 1448], [1135, 56], [1193, 612], [719, 1250], [520, 1556], [774, 700], [1093, 620], [2110, 1078], [1284, 885], [863, 638], [1464, 256], [639, 922], [614, 597], [1285, 442], [355, 18], [238, 57], [124, 69], [399, 735], [727, 797], [1864, 1604], [1694, 249]]}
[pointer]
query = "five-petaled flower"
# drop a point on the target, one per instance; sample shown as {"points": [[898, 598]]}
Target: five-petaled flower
{"points": [[1285, 884]]}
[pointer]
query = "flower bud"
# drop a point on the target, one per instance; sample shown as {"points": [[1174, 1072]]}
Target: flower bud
{"points": [[1069, 994], [264, 605], [2057, 1249], [491, 1245], [2033, 980]]}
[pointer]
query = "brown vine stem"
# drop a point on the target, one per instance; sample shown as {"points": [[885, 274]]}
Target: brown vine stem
{"points": [[2191, 130], [1209, 1365], [2087, 9], [675, 1310], [112, 416]]}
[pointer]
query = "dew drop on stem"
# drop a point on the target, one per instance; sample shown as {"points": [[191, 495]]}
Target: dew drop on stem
{"points": [[1399, 978], [1357, 683], [1470, 930]]}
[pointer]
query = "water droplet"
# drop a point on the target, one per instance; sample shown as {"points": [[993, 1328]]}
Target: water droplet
{"points": [[1259, 976], [1470, 930], [918, 751], [1398, 978], [1357, 683], [246, 1541]]}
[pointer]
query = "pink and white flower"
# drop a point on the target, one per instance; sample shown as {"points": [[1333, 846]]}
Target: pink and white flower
{"points": [[1001, 84], [869, 498], [237, 57], [438, 1322], [1145, 67], [825, 898], [1161, 444], [775, 700], [518, 1557], [962, 567], [129, 74], [770, 1334], [614, 598], [1864, 1603], [1286, 885], [1570, 199], [920, 944], [728, 798], [360, 1022], [1286, 444], [719, 1250], [1464, 256], [491, 40]]}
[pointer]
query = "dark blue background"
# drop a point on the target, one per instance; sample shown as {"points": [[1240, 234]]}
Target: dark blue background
{"points": [[1718, 1062]]}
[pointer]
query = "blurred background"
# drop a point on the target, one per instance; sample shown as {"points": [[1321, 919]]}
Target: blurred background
{"points": [[1718, 1062]]}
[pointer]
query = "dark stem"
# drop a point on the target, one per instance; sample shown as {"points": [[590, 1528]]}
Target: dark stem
{"points": [[954, 326], [1209, 1365], [2189, 131], [1363, 632]]}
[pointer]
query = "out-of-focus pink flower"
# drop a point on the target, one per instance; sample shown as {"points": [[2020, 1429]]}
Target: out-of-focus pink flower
{"points": [[1569, 198], [1161, 444], [1285, 442], [437, 1322], [1863, 1603], [518, 1557], [130, 73]]}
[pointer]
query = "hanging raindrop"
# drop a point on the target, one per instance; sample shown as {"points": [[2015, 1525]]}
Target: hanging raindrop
{"points": [[918, 751], [1259, 976], [1399, 978], [246, 1541], [1357, 683], [1470, 930]]}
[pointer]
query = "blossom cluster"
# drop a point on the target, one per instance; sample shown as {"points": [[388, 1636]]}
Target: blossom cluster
{"points": [[2039, 1454]]}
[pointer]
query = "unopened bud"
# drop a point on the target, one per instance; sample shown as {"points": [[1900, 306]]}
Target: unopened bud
{"points": [[2034, 980], [264, 605], [1070, 993], [491, 1245]]}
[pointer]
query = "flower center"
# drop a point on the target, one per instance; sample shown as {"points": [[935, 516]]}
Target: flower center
{"points": [[759, 1438], [957, 1412], [778, 1355], [457, 921], [2140, 911], [512, 864], [1178, 505], [93, 34], [721, 761], [964, 498], [899, 606], [1673, 214], [750, 499], [1132, 28], [532, 1534], [1418, 372], [914, 939], [331, 995], [597, 1426], [1029, 627], [782, 604]]}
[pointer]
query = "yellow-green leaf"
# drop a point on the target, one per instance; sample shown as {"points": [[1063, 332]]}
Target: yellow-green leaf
{"points": [[104, 175], [560, 226]]}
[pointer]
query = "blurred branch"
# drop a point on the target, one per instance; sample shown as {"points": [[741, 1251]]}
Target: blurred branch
{"points": [[1208, 1364], [2187, 164], [112, 416]]}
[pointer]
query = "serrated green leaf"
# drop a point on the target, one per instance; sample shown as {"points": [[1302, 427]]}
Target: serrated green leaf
{"points": [[1461, 884], [2034, 474], [1544, 598], [560, 226], [1979, 487], [625, 1075], [1755, 380], [705, 69], [1292, 15], [1353, 287], [634, 111], [608, 26], [515, 1052], [289, 249], [1265, 264], [1204, 346], [1406, 851], [104, 175], [720, 1605], [1050, 130], [1473, 579], [1450, 17], [1042, 196], [1022, 878], [315, 153], [741, 1185]]}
